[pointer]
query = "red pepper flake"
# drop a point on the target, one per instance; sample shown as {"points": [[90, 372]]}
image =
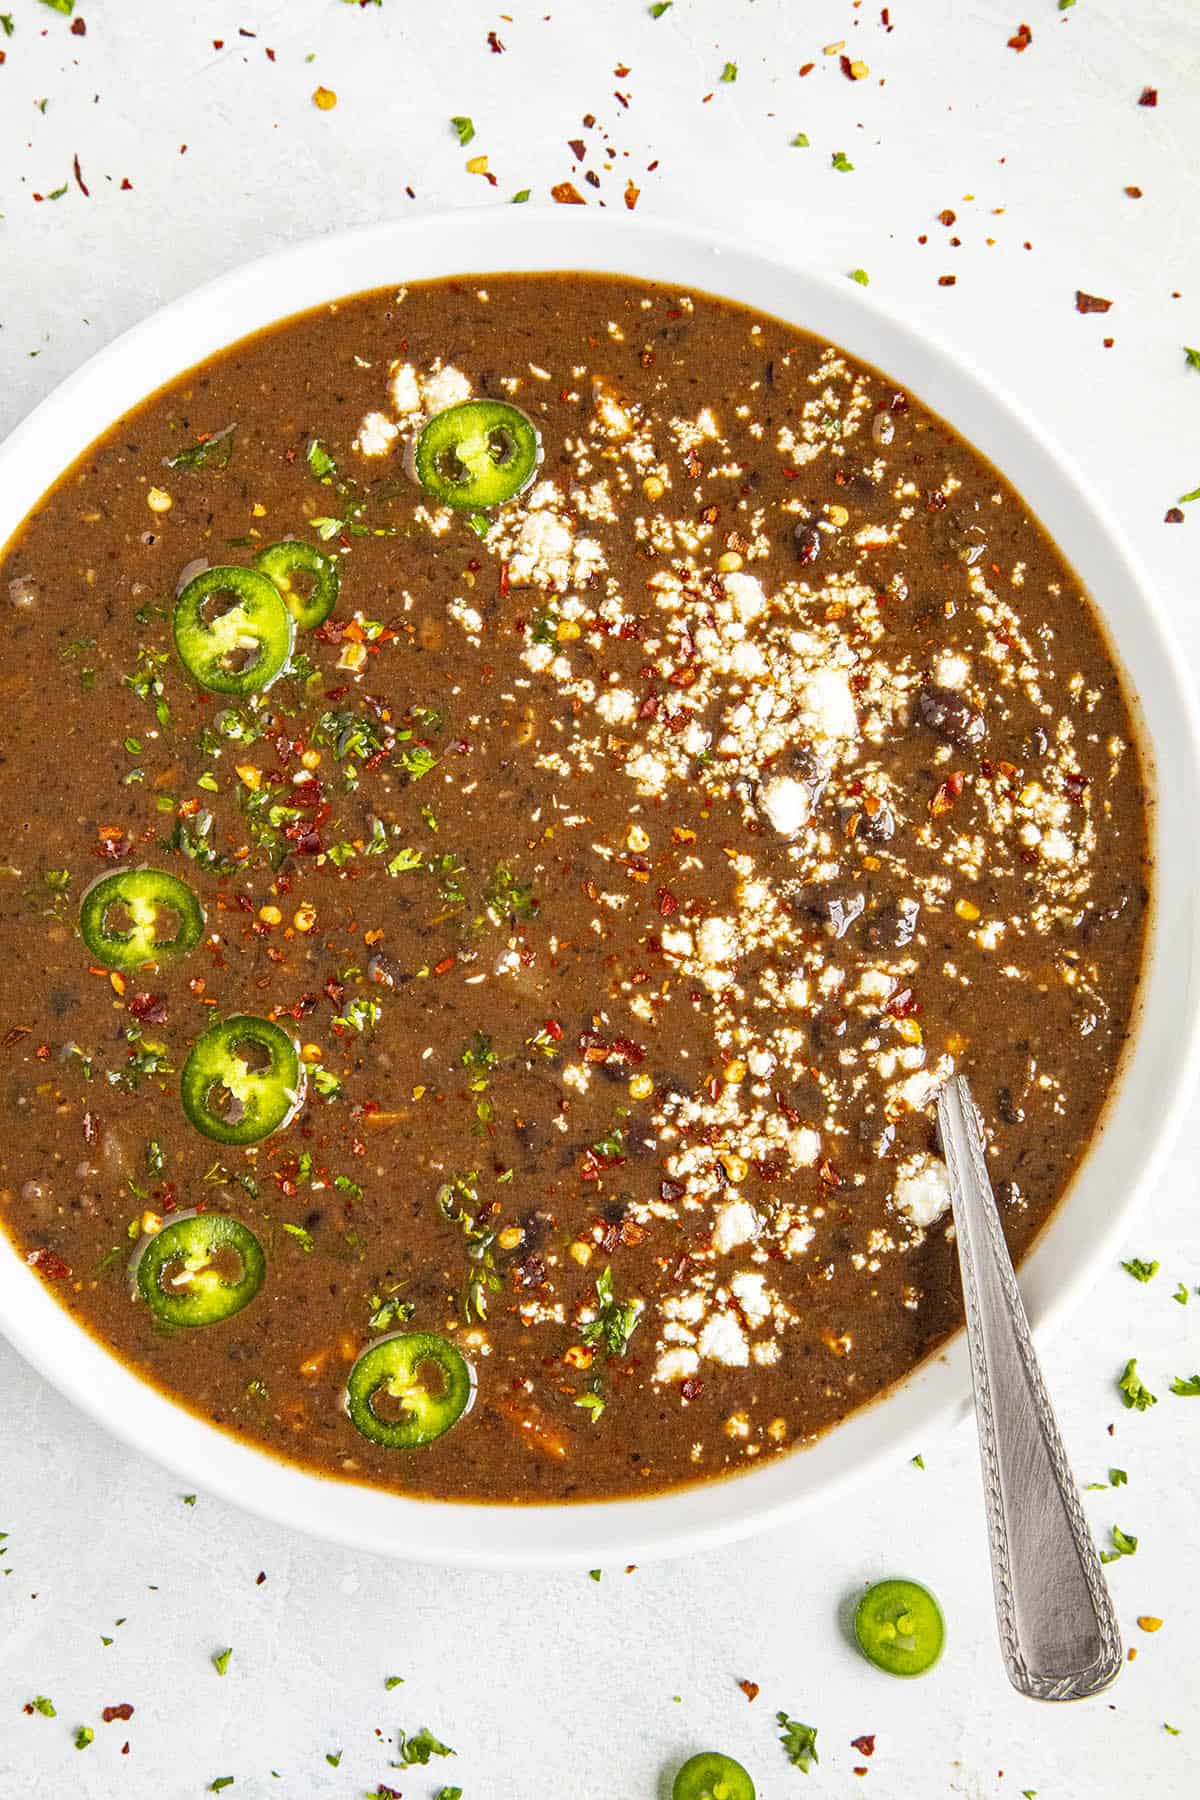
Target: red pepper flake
{"points": [[827, 1174], [667, 903], [577, 147], [124, 1711], [1148, 97], [692, 1388], [150, 1008], [218, 43], [865, 1745], [494, 44], [1021, 38], [126, 185], [15, 1035], [1090, 303], [632, 194], [83, 187], [444, 967], [1135, 193], [49, 1264], [807, 68], [567, 194], [859, 1769], [846, 67], [1173, 516], [750, 1689], [78, 28], [947, 217], [947, 280]]}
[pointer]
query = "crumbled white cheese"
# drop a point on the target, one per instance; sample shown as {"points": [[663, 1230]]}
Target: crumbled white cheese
{"points": [[722, 1340], [736, 1223], [376, 435], [786, 803], [922, 1189]]}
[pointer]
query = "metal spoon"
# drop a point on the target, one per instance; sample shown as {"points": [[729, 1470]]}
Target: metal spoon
{"points": [[1058, 1632]]}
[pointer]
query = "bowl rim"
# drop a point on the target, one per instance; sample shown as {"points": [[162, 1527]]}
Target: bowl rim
{"points": [[1143, 1116]]}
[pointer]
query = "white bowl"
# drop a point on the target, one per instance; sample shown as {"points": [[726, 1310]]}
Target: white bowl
{"points": [[1141, 1120]]}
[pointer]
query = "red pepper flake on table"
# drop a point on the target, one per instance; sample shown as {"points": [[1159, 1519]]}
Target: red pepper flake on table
{"points": [[1021, 39], [1090, 303]]}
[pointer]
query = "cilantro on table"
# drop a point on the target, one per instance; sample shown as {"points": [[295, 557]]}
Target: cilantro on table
{"points": [[465, 128], [520, 197], [842, 162], [1134, 1392], [65, 7], [6, 24], [333, 1758], [220, 1660], [1181, 1294], [799, 1742], [861, 276], [302, 1237], [660, 7], [729, 72], [1194, 495], [800, 141], [45, 1707], [419, 1748], [1139, 1269], [1122, 1545], [1188, 1385], [448, 1793], [1193, 357], [83, 1737], [393, 1681], [595, 1574], [917, 1461], [219, 1782]]}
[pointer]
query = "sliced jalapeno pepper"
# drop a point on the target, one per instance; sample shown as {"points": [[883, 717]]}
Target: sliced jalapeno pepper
{"points": [[388, 1395], [478, 454], [310, 601], [242, 648], [899, 1627], [711, 1776], [242, 1080], [199, 1269], [121, 915]]}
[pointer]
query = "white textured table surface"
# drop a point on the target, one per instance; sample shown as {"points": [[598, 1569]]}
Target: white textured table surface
{"points": [[560, 1686]]}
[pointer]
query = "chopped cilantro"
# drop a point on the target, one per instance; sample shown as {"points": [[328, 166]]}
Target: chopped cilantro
{"points": [[188, 1499], [842, 162], [326, 1084], [417, 761], [83, 1737], [393, 1681], [65, 7], [861, 276], [387, 1314], [1181, 1294], [6, 24], [520, 197], [454, 1793], [465, 128], [45, 1707], [1133, 1389], [1194, 495], [1123, 1545], [302, 1237], [799, 1742], [1117, 1478], [595, 1574], [615, 1321], [729, 72], [1173, 1729], [333, 1758], [1193, 357], [210, 453], [800, 141], [362, 1015], [660, 7], [218, 1782], [918, 1461], [477, 1054], [507, 898], [220, 1660], [1186, 1385], [321, 462], [1140, 1270], [404, 862], [419, 1748]]}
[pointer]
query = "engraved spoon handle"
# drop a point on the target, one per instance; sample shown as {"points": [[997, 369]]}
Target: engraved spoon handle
{"points": [[1058, 1630]]}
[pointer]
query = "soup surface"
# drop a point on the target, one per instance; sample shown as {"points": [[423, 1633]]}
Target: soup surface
{"points": [[597, 879]]}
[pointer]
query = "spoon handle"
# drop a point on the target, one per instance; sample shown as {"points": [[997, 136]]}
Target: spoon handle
{"points": [[1058, 1630]]}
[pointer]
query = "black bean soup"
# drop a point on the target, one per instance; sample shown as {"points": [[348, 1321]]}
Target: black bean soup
{"points": [[517, 792]]}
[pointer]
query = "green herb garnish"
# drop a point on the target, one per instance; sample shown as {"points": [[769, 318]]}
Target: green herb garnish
{"points": [[1133, 1389], [799, 1742]]}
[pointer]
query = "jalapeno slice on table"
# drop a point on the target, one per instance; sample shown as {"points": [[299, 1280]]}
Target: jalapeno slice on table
{"points": [[407, 1390], [478, 454], [199, 1269], [899, 1627], [121, 916], [312, 598], [242, 1080], [233, 632], [711, 1776]]}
